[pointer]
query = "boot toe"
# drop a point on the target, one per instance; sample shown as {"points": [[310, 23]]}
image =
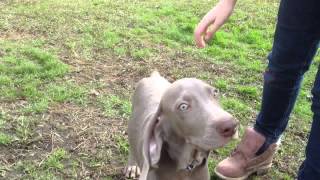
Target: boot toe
{"points": [[228, 169]]}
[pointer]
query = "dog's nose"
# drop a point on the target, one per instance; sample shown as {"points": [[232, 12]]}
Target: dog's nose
{"points": [[227, 127]]}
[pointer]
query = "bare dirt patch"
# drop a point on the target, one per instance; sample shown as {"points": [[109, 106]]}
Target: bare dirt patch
{"points": [[15, 35], [88, 136]]}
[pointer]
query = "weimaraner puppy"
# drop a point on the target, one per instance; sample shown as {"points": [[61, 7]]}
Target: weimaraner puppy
{"points": [[173, 127]]}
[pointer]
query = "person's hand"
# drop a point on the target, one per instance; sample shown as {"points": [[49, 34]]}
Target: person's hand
{"points": [[212, 21]]}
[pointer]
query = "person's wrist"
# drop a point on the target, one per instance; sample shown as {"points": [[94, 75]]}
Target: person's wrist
{"points": [[228, 3]]}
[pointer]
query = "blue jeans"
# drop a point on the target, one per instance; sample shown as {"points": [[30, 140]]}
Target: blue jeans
{"points": [[295, 44]]}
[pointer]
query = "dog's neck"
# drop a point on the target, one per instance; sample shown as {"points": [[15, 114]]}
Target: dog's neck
{"points": [[174, 144], [168, 168]]}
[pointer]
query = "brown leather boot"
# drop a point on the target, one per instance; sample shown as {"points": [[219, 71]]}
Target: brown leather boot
{"points": [[243, 161]]}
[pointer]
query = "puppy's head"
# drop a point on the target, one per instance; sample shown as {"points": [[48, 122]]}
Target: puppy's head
{"points": [[191, 108], [190, 121]]}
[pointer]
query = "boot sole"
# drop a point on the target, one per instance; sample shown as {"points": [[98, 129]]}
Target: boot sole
{"points": [[259, 171]]}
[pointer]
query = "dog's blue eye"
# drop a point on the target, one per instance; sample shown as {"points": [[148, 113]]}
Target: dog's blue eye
{"points": [[183, 107]]}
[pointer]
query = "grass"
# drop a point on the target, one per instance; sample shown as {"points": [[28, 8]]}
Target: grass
{"points": [[48, 168], [4, 139], [114, 106], [24, 128], [54, 159], [67, 71], [23, 69]]}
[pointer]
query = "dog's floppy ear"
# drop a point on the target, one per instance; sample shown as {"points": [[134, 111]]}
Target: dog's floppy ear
{"points": [[152, 144]]}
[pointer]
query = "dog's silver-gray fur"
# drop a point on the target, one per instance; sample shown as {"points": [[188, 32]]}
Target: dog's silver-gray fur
{"points": [[173, 127]]}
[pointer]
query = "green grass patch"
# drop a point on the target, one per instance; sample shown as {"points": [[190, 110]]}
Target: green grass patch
{"points": [[248, 91], [24, 128], [221, 84], [32, 171], [111, 39], [29, 73], [236, 107], [251, 37], [38, 106], [122, 145], [24, 69], [5, 139], [143, 53], [47, 169], [54, 160], [115, 107], [65, 92]]}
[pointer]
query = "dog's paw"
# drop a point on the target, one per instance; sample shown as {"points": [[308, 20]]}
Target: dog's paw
{"points": [[132, 172]]}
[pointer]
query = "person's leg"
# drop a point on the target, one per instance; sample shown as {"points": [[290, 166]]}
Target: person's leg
{"points": [[310, 169], [295, 44]]}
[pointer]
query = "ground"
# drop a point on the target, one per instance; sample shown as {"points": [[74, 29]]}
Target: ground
{"points": [[68, 69]]}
